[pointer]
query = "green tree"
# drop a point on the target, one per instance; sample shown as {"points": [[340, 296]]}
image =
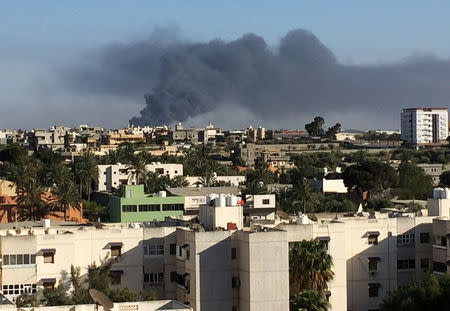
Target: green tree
{"points": [[430, 294], [14, 153], [309, 267], [178, 181], [309, 300], [66, 196], [137, 167], [414, 182], [56, 297], [86, 171], [254, 187], [444, 179], [31, 204], [80, 294], [27, 300], [371, 176], [93, 211], [57, 175], [304, 196], [153, 182]]}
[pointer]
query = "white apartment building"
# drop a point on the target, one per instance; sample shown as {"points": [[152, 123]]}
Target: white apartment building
{"points": [[424, 125], [112, 176], [232, 181]]}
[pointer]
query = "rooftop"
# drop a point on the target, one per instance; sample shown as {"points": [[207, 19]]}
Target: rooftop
{"points": [[201, 191]]}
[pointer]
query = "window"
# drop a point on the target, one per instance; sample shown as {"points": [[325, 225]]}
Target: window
{"points": [[235, 282], [424, 237], [188, 254], [154, 249], [172, 249], [49, 255], [373, 263], [154, 278], [173, 207], [372, 237], [116, 248], [233, 253], [265, 201], [443, 241], [424, 263], [160, 171], [324, 240], [373, 289], [129, 208], [439, 267], [17, 289], [173, 276], [406, 239], [115, 276], [48, 284], [149, 208], [406, 264]]}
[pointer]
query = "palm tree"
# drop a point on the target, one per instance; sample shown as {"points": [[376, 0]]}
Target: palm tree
{"points": [[58, 174], [309, 300], [263, 174], [207, 180], [86, 170], [137, 167], [178, 182], [113, 157], [254, 187], [66, 196], [309, 266], [153, 182], [31, 204], [304, 195]]}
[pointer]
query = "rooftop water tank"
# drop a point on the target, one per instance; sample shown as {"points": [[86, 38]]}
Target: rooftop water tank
{"points": [[46, 223], [162, 194], [302, 219]]}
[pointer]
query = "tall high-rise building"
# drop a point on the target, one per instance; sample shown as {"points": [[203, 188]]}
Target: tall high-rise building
{"points": [[424, 125]]}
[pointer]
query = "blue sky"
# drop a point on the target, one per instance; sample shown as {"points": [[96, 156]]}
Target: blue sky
{"points": [[37, 35]]}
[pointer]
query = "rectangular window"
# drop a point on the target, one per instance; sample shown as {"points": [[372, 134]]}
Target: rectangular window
{"points": [[443, 241], [265, 201], [424, 237], [173, 249], [188, 254], [12, 259], [149, 208], [372, 240], [115, 277], [406, 264], [373, 263], [20, 259], [373, 289], [424, 263], [439, 267], [49, 258], [233, 253], [153, 249], [26, 259], [129, 208], [48, 285], [116, 250], [5, 260], [406, 239], [33, 259], [154, 278], [173, 276], [173, 207]]}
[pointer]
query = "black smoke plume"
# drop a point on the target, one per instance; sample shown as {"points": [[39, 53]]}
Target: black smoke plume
{"points": [[183, 80]]}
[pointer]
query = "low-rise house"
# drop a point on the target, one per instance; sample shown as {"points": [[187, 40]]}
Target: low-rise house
{"points": [[194, 197], [133, 205]]}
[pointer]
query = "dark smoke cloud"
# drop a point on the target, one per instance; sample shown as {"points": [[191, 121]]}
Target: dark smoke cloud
{"points": [[184, 80]]}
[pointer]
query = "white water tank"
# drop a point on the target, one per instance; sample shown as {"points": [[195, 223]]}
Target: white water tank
{"points": [[437, 193], [220, 201], [228, 200], [302, 219], [447, 193], [46, 223], [234, 200], [162, 194]]}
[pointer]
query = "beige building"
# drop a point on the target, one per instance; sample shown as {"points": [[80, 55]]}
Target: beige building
{"points": [[112, 176]]}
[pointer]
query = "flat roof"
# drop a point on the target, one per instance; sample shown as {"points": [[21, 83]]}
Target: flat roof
{"points": [[202, 191]]}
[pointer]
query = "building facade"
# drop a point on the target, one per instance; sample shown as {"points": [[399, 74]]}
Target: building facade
{"points": [[421, 126]]}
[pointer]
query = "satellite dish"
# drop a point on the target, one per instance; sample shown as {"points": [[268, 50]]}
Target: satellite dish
{"points": [[101, 299]]}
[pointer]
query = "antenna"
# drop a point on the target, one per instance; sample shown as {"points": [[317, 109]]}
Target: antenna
{"points": [[101, 299]]}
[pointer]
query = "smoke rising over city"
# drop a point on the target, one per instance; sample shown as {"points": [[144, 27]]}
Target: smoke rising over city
{"points": [[181, 81]]}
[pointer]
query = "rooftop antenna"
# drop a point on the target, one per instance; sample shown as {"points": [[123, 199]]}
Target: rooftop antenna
{"points": [[101, 299]]}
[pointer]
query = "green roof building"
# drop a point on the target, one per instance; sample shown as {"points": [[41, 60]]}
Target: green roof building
{"points": [[133, 205]]}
